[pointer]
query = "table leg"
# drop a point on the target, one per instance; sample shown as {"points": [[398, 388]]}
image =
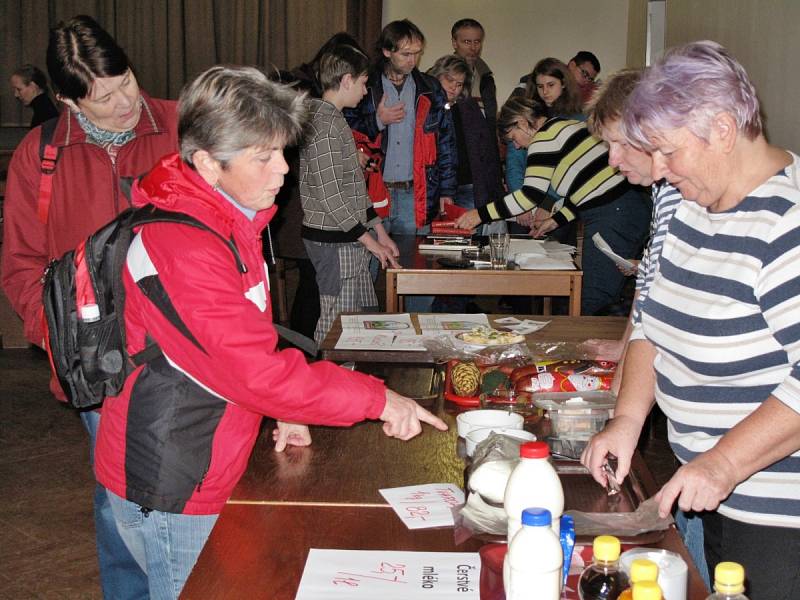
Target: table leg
{"points": [[391, 293], [575, 297]]}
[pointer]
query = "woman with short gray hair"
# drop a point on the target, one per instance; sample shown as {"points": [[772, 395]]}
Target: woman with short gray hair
{"points": [[175, 442], [718, 344], [228, 109]]}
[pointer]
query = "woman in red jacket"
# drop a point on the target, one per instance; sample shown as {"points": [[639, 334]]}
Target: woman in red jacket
{"points": [[175, 442], [109, 133]]}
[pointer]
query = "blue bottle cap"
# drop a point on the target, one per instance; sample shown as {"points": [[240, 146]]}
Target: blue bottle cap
{"points": [[536, 517]]}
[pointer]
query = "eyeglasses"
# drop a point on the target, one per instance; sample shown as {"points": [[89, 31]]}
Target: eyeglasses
{"points": [[526, 130], [588, 76]]}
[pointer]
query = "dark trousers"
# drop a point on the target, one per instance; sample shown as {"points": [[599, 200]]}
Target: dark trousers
{"points": [[770, 555], [624, 224], [305, 308]]}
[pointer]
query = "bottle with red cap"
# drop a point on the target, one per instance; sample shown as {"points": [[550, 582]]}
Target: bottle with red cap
{"points": [[533, 482]]}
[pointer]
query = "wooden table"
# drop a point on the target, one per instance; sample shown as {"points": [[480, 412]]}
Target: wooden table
{"points": [[326, 496], [349, 466], [259, 552], [560, 329], [423, 275]]}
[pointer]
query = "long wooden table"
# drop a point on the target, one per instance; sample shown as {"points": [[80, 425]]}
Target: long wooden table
{"points": [[560, 329], [349, 466], [423, 275], [326, 496], [260, 551]]}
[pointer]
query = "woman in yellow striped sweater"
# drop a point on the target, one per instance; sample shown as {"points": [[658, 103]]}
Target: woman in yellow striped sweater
{"points": [[565, 158]]}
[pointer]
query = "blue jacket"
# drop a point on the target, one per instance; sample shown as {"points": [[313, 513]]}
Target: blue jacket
{"points": [[435, 153]]}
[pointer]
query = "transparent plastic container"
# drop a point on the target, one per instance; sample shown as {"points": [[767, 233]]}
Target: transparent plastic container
{"points": [[577, 424], [576, 415]]}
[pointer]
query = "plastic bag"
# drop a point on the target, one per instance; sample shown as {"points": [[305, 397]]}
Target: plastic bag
{"points": [[562, 351], [563, 375], [444, 348], [492, 463], [643, 520]]}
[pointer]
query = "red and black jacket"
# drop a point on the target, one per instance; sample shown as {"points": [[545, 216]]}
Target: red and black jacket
{"points": [[177, 439]]}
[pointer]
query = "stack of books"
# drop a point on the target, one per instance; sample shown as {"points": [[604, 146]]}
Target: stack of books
{"points": [[445, 236]]}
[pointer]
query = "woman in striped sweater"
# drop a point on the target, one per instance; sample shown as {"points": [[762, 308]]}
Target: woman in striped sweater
{"points": [[565, 162], [719, 340]]}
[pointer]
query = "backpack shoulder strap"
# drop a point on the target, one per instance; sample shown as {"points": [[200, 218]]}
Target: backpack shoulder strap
{"points": [[48, 157], [132, 219], [151, 214]]}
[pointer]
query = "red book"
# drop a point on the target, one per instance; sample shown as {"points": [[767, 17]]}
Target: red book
{"points": [[445, 223]]}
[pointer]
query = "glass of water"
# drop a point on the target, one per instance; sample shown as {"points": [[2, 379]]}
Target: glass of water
{"points": [[498, 248]]}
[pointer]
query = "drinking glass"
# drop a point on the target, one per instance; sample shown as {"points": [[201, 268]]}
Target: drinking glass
{"points": [[498, 248]]}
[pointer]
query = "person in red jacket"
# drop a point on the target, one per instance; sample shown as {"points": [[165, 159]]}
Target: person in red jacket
{"points": [[109, 132], [175, 442]]}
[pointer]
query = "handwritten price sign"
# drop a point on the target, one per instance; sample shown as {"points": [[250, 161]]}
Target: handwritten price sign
{"points": [[421, 506], [389, 575], [385, 572]]}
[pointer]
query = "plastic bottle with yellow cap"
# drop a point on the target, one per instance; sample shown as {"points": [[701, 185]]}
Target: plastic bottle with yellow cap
{"points": [[603, 579], [642, 569], [646, 590], [728, 582]]}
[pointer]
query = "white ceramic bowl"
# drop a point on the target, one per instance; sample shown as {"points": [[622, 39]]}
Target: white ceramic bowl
{"points": [[476, 436], [673, 574], [479, 419]]}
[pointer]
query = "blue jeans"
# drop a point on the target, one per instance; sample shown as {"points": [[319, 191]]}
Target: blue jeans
{"points": [[624, 224], [401, 221], [120, 575], [690, 526], [166, 545]]}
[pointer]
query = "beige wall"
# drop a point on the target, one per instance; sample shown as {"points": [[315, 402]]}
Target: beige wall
{"points": [[520, 32], [765, 37]]}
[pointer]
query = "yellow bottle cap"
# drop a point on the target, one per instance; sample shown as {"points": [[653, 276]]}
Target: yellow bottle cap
{"points": [[606, 547], [729, 578], [646, 590], [643, 570]]}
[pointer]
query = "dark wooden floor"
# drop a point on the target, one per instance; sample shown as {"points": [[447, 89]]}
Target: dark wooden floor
{"points": [[47, 547]]}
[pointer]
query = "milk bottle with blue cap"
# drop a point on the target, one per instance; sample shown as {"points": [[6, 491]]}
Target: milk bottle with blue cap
{"points": [[532, 567]]}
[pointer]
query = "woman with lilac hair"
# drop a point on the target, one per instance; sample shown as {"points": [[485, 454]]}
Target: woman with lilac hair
{"points": [[719, 338]]}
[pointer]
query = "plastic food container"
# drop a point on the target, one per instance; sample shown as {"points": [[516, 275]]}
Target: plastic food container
{"points": [[476, 436], [576, 416], [577, 425], [478, 419]]}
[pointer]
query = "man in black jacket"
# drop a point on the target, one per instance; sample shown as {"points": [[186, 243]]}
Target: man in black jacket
{"points": [[468, 37]]}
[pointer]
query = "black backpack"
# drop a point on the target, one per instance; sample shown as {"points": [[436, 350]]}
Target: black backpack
{"points": [[86, 345]]}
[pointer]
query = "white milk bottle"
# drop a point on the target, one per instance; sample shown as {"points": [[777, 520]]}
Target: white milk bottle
{"points": [[533, 482], [532, 567]]}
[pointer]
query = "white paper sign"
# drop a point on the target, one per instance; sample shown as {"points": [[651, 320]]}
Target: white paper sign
{"points": [[427, 505], [366, 340], [436, 324], [527, 326], [603, 246], [399, 324], [389, 575]]}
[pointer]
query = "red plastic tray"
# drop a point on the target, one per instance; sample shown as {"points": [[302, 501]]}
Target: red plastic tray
{"points": [[451, 396]]}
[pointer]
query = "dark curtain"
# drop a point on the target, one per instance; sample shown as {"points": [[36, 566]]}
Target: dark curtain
{"points": [[170, 41]]}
